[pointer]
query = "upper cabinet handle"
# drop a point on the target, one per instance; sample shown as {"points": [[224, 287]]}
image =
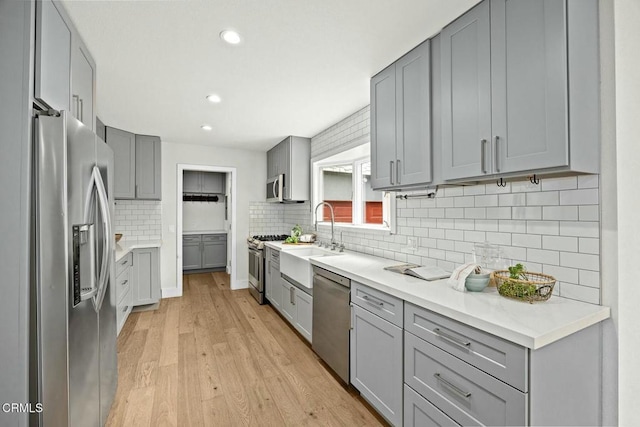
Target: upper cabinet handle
{"points": [[391, 171], [483, 144], [398, 170], [496, 154]]}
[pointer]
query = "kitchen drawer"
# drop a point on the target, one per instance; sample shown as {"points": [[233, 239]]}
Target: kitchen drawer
{"points": [[384, 305], [192, 238], [123, 309], [466, 394], [419, 412], [123, 284], [214, 237], [125, 262], [502, 359]]}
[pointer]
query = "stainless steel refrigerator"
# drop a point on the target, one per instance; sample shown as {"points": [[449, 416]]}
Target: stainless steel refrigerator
{"points": [[73, 320]]}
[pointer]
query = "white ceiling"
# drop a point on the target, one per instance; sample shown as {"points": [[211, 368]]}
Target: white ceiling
{"points": [[303, 65]]}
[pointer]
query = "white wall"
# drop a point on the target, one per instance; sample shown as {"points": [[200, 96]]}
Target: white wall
{"points": [[251, 169], [627, 92], [203, 216]]}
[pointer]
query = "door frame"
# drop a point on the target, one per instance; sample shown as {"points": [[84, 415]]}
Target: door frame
{"points": [[232, 173]]}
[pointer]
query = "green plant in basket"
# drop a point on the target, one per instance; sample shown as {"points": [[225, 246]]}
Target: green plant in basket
{"points": [[514, 286]]}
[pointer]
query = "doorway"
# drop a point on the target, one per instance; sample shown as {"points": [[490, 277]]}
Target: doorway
{"points": [[206, 213]]}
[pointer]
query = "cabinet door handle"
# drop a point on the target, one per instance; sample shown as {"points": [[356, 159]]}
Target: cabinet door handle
{"points": [[81, 110], [351, 322], [291, 296], [483, 148], [125, 282], [451, 338], [136, 190], [398, 171], [453, 388], [125, 262], [125, 308], [391, 171], [76, 100], [496, 154], [373, 301]]}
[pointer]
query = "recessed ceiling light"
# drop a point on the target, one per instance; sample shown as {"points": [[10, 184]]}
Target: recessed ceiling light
{"points": [[206, 127], [214, 98], [230, 36]]}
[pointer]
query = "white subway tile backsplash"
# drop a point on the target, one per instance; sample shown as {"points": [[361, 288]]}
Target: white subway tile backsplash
{"points": [[589, 213], [543, 227], [580, 228], [560, 213], [141, 219], [589, 246], [518, 199], [579, 197], [567, 183], [526, 240], [487, 200], [558, 243], [552, 227], [581, 261], [543, 256], [588, 181], [526, 212]]}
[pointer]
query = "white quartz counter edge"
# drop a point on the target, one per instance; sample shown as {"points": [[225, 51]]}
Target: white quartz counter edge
{"points": [[125, 246], [192, 233], [530, 325]]}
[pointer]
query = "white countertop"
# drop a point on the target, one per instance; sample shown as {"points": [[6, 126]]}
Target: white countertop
{"points": [[124, 246], [530, 325], [191, 233]]}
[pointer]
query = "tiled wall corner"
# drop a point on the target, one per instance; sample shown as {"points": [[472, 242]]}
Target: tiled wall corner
{"points": [[266, 218], [138, 219]]}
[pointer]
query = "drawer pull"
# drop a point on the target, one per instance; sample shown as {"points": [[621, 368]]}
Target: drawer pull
{"points": [[125, 262], [456, 390], [451, 339], [125, 308], [124, 282], [372, 301]]}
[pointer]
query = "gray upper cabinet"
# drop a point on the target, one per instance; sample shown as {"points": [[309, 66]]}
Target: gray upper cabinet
{"points": [[64, 68], [383, 127], [529, 85], [291, 158], [191, 182], [53, 56], [401, 122], [123, 145], [466, 94], [203, 182], [148, 165], [508, 107], [83, 71], [137, 164]]}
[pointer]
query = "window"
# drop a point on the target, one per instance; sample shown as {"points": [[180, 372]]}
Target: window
{"points": [[344, 181]]}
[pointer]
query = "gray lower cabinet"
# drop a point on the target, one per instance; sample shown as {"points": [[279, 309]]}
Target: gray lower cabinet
{"points": [[401, 122], [295, 304], [376, 362], [146, 276], [519, 84], [272, 285], [137, 164], [419, 412], [303, 318], [123, 284], [287, 307], [204, 251]]}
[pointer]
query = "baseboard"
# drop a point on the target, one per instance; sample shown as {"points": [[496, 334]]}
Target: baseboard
{"points": [[240, 284], [171, 292]]}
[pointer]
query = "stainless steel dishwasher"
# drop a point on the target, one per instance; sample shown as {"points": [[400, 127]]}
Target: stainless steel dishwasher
{"points": [[331, 320]]}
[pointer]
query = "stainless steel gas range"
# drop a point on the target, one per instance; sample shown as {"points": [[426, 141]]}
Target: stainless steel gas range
{"points": [[256, 263]]}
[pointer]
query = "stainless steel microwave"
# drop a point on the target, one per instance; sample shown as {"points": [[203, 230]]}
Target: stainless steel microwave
{"points": [[275, 189]]}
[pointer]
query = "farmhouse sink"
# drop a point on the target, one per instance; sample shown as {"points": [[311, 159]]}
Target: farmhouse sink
{"points": [[294, 263]]}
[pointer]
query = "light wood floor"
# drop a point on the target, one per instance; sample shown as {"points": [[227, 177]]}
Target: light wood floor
{"points": [[214, 357]]}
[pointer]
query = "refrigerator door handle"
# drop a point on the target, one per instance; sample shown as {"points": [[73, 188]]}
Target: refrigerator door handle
{"points": [[97, 183]]}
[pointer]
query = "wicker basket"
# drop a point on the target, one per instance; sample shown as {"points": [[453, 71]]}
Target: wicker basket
{"points": [[532, 287]]}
